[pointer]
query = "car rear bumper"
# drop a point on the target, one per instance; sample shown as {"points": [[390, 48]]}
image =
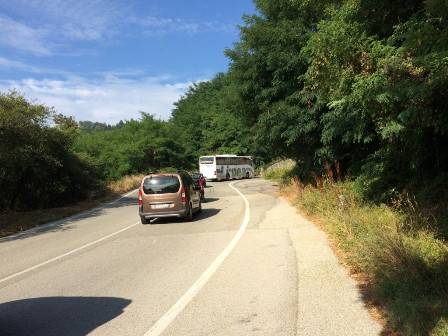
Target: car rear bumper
{"points": [[160, 214]]}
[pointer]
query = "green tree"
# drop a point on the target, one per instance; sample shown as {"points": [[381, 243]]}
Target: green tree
{"points": [[207, 120], [130, 147], [37, 167], [383, 93], [269, 69], [89, 126]]}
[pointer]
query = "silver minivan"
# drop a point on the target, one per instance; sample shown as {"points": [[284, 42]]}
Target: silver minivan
{"points": [[168, 195]]}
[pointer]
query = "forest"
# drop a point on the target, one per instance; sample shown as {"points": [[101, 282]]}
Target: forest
{"points": [[358, 87]]}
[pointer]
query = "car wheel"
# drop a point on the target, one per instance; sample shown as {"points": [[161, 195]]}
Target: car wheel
{"points": [[189, 216], [145, 220]]}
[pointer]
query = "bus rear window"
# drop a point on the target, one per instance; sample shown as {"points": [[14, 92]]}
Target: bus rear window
{"points": [[206, 159]]}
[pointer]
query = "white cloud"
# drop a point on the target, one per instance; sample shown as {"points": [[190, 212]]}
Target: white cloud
{"points": [[23, 37], [153, 25], [11, 65], [107, 100], [47, 28], [44, 28]]}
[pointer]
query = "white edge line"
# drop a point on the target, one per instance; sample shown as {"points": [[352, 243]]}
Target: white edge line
{"points": [[65, 254], [171, 314], [16, 235], [77, 249]]}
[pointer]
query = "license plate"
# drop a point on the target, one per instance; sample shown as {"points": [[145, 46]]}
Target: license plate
{"points": [[160, 206]]}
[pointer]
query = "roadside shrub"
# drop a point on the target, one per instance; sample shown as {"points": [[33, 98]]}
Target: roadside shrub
{"points": [[283, 174], [397, 249]]}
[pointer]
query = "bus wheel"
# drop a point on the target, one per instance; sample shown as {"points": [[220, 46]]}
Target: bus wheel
{"points": [[227, 177]]}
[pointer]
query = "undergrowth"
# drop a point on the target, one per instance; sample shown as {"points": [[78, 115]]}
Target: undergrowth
{"points": [[394, 248]]}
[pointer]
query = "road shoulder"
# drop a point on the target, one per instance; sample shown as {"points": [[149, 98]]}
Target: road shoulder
{"points": [[329, 299]]}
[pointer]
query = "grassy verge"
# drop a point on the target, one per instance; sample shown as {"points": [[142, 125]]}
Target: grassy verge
{"points": [[400, 257], [11, 223]]}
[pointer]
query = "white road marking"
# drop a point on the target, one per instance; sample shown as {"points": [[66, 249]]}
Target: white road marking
{"points": [[65, 254], [49, 225], [77, 249], [169, 316]]}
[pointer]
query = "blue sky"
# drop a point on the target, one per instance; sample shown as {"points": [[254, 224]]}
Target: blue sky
{"points": [[106, 60]]}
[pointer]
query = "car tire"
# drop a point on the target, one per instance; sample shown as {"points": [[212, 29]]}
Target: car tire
{"points": [[189, 216], [145, 220]]}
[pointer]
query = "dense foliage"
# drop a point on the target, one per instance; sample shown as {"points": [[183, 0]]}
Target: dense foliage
{"points": [[130, 147], [207, 120], [38, 167], [358, 85]]}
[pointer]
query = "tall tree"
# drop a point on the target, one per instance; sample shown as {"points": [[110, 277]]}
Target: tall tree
{"points": [[384, 91], [37, 166], [208, 119], [268, 66]]}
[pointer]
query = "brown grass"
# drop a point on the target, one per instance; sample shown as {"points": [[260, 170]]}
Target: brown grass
{"points": [[14, 222], [290, 192]]}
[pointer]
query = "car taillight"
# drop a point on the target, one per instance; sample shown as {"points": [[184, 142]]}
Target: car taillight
{"points": [[140, 197], [184, 198]]}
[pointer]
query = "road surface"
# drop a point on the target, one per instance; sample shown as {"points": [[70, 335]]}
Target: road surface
{"points": [[246, 265]]}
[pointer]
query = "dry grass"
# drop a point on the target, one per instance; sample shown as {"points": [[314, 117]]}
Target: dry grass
{"points": [[400, 261], [11, 223], [125, 184]]}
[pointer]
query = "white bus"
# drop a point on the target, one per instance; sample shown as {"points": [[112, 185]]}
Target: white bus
{"points": [[226, 167]]}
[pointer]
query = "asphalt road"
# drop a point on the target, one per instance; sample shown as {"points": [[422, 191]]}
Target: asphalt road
{"points": [[246, 265]]}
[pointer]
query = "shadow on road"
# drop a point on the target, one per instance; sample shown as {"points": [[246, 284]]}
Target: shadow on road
{"points": [[205, 213], [58, 315], [210, 200]]}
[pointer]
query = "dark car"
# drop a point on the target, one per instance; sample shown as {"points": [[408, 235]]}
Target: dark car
{"points": [[168, 195], [198, 183], [201, 177]]}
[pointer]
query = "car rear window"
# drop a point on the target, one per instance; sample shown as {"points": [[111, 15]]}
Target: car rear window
{"points": [[196, 182], [161, 184]]}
